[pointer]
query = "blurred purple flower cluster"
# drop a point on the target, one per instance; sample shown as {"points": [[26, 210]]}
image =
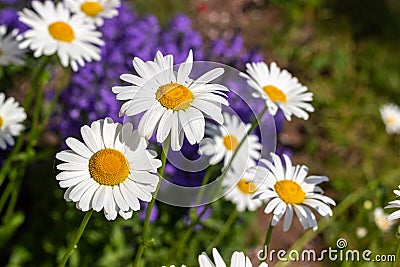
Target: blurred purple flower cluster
{"points": [[9, 16]]}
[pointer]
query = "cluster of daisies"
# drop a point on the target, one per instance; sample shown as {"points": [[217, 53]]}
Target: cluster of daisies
{"points": [[112, 169]]}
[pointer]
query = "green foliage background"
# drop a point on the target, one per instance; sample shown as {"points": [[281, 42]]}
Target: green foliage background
{"points": [[351, 62]]}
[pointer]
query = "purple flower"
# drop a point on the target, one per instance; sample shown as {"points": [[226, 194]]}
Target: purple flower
{"points": [[143, 209], [9, 16], [89, 96], [179, 37]]}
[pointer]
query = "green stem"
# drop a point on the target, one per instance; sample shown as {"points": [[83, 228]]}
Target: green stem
{"points": [[223, 231], [4, 196], [35, 81], [252, 127], [64, 79], [268, 236], [18, 145], [146, 223], [206, 178], [178, 249], [16, 183], [75, 241], [267, 240], [36, 117]]}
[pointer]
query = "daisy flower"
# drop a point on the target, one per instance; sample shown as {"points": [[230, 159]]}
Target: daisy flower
{"points": [[289, 191], [390, 114], [394, 204], [94, 10], [55, 30], [111, 170], [173, 103], [11, 117], [279, 89], [238, 260], [240, 190], [227, 140], [10, 54]]}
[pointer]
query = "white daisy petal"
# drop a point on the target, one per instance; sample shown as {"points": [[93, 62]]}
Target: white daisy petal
{"points": [[238, 259], [208, 76], [288, 218], [86, 199], [175, 132], [385, 223], [119, 199], [71, 182], [217, 258], [71, 157], [72, 174], [89, 138], [78, 147], [394, 216], [184, 118], [130, 199], [126, 215], [78, 191], [211, 110], [185, 68], [164, 127], [98, 199]]}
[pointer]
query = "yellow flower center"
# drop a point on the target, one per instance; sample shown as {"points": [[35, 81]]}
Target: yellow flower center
{"points": [[174, 96], [91, 8], [1, 121], [246, 188], [61, 31], [290, 192], [109, 167], [383, 224], [391, 120], [230, 142], [274, 93]]}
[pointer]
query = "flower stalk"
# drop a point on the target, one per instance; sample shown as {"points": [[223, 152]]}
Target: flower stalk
{"points": [[146, 223]]}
